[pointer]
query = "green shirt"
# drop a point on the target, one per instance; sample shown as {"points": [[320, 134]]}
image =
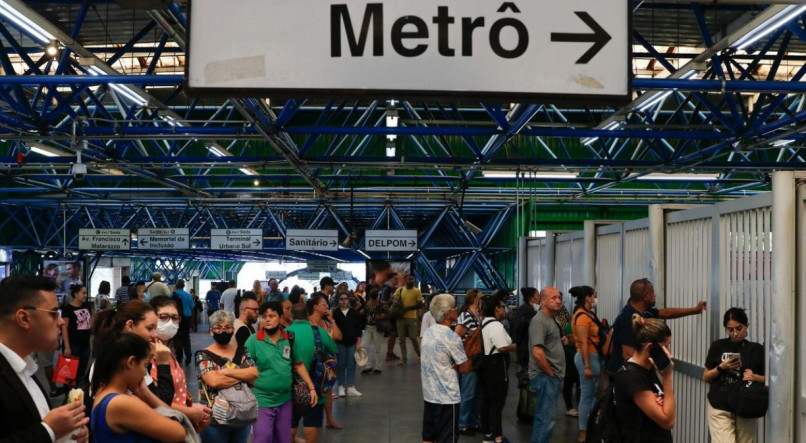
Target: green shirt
{"points": [[304, 345], [273, 362]]}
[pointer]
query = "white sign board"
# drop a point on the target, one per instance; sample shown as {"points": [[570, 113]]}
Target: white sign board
{"points": [[104, 239], [236, 239], [279, 275], [311, 240], [163, 238], [458, 48], [398, 240]]}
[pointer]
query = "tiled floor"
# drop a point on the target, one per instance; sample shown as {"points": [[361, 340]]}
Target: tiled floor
{"points": [[390, 410]]}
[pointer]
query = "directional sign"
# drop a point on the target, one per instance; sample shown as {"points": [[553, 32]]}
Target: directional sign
{"points": [[236, 239], [104, 239], [311, 240], [163, 238], [279, 275], [571, 49], [399, 240]]}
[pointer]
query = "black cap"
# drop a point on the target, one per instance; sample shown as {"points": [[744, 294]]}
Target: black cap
{"points": [[326, 281]]}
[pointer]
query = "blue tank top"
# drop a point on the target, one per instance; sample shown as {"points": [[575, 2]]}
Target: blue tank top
{"points": [[101, 431]]}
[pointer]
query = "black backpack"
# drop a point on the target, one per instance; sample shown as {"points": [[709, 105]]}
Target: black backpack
{"points": [[603, 425]]}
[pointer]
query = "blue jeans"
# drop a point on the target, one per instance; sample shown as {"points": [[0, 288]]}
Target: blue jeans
{"points": [[469, 407], [587, 387], [547, 391], [346, 365], [225, 434]]}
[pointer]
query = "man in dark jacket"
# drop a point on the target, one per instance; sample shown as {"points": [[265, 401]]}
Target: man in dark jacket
{"points": [[520, 325], [29, 322]]}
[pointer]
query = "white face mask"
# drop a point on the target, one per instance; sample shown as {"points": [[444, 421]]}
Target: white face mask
{"points": [[536, 306], [166, 330], [593, 305]]}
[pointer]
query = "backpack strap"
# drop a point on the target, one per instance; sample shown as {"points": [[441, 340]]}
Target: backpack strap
{"points": [[317, 339], [596, 321], [481, 332]]}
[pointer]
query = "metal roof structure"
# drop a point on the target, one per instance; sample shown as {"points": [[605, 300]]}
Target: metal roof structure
{"points": [[718, 104]]}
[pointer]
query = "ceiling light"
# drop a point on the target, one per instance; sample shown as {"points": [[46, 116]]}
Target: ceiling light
{"points": [[256, 182], [33, 30], [662, 176], [47, 151], [770, 25], [52, 49]]}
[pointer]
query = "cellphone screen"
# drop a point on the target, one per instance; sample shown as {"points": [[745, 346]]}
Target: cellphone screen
{"points": [[659, 357]]}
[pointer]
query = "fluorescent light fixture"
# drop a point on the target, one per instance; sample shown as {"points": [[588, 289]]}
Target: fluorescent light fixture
{"points": [[362, 253], [608, 127], [215, 150], [526, 175], [657, 176], [588, 141], [783, 142], [171, 121], [657, 97], [780, 19], [32, 29], [499, 174], [125, 91], [44, 151], [537, 234], [690, 74], [246, 171]]}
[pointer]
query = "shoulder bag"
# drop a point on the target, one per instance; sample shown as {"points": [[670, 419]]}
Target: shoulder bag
{"points": [[235, 406]]}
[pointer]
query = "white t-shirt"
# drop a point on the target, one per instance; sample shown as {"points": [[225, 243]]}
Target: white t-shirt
{"points": [[427, 322], [228, 300], [494, 334]]}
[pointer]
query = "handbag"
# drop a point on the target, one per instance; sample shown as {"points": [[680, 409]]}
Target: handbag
{"points": [[749, 399], [235, 406], [301, 394], [66, 370]]}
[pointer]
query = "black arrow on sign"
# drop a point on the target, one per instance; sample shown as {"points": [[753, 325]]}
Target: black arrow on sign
{"points": [[333, 243], [411, 243], [143, 242], [257, 242], [599, 38]]}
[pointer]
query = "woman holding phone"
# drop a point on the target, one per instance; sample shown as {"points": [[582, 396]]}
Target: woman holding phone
{"points": [[645, 404], [732, 360]]}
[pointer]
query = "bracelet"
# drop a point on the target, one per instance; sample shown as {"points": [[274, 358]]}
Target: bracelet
{"points": [[312, 389], [720, 369]]}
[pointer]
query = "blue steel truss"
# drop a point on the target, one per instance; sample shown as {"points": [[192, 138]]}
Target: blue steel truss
{"points": [[718, 116]]}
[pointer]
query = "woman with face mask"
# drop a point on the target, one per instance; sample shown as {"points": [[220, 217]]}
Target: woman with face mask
{"points": [[590, 344], [76, 330], [214, 376], [167, 326]]}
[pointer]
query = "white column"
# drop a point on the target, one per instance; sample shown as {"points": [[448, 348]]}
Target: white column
{"points": [[589, 254], [657, 252], [781, 347]]}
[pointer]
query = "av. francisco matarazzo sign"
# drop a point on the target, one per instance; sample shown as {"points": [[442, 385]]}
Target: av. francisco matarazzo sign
{"points": [[427, 47]]}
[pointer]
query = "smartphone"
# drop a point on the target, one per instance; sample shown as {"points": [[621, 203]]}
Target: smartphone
{"points": [[659, 356], [729, 355]]}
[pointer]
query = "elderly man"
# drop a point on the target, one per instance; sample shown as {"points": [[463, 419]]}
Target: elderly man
{"points": [[29, 322], [547, 365], [442, 354], [156, 287]]}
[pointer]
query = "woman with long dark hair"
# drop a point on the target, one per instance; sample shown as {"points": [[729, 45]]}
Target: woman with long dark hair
{"points": [[493, 375], [722, 368], [118, 416], [76, 329]]}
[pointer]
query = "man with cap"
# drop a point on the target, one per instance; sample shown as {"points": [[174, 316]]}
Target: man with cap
{"points": [[328, 285], [30, 321], [156, 287], [182, 343]]}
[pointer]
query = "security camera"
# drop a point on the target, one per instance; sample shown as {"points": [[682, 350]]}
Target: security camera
{"points": [[79, 171]]}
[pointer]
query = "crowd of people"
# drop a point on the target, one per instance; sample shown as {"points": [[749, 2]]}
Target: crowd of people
{"points": [[265, 374]]}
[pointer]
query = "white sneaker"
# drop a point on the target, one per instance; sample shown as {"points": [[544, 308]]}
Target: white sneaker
{"points": [[341, 391], [353, 392]]}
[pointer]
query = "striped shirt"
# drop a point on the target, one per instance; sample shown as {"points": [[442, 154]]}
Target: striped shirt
{"points": [[469, 321], [122, 295]]}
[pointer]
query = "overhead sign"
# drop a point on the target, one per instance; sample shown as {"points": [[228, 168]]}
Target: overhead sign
{"points": [[104, 239], [278, 275], [163, 238], [458, 48], [395, 240], [311, 240], [236, 239]]}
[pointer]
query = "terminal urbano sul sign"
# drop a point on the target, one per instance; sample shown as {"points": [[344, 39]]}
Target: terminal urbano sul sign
{"points": [[439, 48]]}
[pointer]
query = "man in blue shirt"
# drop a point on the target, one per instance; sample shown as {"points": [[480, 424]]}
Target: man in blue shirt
{"points": [[642, 302], [213, 296], [183, 342]]}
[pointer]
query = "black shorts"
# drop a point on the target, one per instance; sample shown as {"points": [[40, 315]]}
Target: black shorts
{"points": [[441, 423], [310, 419]]}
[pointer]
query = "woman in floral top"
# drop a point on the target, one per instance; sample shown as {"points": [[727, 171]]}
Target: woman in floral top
{"points": [[213, 376]]}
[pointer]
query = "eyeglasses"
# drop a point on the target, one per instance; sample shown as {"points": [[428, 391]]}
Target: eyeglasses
{"points": [[738, 329], [343, 298], [249, 309], [219, 329], [55, 313], [173, 318]]}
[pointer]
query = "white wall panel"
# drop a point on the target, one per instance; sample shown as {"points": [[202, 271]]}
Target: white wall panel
{"points": [[636, 259], [608, 275], [535, 266]]}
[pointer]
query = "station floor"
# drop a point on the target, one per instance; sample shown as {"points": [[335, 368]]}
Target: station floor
{"points": [[391, 408]]}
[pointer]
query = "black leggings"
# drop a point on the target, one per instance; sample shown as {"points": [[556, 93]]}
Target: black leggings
{"points": [[493, 386], [571, 379]]}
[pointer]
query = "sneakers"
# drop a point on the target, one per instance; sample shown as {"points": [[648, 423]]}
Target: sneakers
{"points": [[352, 392], [366, 371], [341, 391], [488, 438], [401, 362], [572, 413]]}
